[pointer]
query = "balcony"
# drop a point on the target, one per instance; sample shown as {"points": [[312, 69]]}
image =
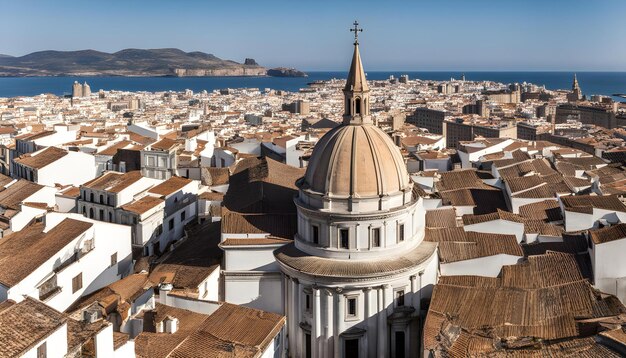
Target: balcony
{"points": [[49, 289]]}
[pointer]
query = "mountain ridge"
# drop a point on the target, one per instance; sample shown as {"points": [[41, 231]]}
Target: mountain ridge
{"points": [[131, 62]]}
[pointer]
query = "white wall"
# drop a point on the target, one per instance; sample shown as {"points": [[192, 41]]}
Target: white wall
{"points": [[75, 168], [56, 344], [502, 227], [484, 266]]}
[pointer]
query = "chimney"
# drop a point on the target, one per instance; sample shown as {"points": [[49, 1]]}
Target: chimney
{"points": [[171, 324], [164, 290]]}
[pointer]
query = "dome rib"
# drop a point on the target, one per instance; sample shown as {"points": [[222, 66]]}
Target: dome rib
{"points": [[343, 163]]}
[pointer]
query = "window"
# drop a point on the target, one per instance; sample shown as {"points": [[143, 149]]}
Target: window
{"points": [[376, 237], [162, 162], [351, 311], [101, 199], [344, 238], [171, 224], [357, 106], [400, 298], [42, 351], [77, 283], [400, 232], [150, 160], [113, 259], [91, 213], [110, 217], [101, 215], [307, 302], [159, 230], [351, 348], [315, 233], [182, 215], [91, 197]]}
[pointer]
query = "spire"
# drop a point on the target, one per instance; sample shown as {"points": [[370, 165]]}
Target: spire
{"points": [[356, 91], [356, 77]]}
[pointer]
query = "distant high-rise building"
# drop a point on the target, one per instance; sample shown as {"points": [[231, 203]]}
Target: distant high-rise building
{"points": [[77, 89], [86, 90]]}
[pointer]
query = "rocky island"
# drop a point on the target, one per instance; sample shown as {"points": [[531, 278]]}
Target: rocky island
{"points": [[133, 62]]}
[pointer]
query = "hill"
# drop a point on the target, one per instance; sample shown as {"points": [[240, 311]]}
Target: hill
{"points": [[128, 62]]}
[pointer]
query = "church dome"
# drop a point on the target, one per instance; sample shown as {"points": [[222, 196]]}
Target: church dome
{"points": [[356, 161]]}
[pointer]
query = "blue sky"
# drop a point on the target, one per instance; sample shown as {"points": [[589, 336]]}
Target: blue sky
{"points": [[488, 35]]}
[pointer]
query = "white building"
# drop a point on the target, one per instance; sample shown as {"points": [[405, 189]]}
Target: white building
{"points": [[606, 249], [52, 165], [59, 260]]}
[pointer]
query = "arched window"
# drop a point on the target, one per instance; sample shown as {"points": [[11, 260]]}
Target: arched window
{"points": [[91, 212], [110, 217], [84, 211], [101, 199], [357, 106], [91, 197]]}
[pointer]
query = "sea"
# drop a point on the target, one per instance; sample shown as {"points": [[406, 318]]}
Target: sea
{"points": [[601, 83]]}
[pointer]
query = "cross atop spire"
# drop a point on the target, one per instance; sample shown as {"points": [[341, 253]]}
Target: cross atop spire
{"points": [[356, 31]]}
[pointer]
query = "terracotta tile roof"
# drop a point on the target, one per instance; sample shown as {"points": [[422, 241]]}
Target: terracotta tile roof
{"points": [[498, 215], [40, 159], [441, 218], [608, 234], [72, 191], [150, 344], [517, 184], [34, 135], [547, 210], [143, 204], [483, 200], [233, 331], [116, 296], [24, 251], [211, 195], [15, 194], [290, 256], [112, 149], [214, 176], [535, 309], [276, 224], [193, 260], [164, 144], [25, 324], [586, 203], [445, 234], [479, 245], [4, 180], [460, 179], [113, 182], [170, 186]]}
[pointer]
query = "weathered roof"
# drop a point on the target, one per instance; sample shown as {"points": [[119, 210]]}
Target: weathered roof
{"points": [[276, 224], [535, 309], [40, 159], [232, 331], [608, 234], [24, 251], [470, 219], [586, 203], [548, 210], [479, 245], [113, 182], [25, 324], [171, 185], [143, 204], [441, 218], [17, 192]]}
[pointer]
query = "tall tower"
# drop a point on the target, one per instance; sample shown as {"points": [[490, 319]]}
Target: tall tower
{"points": [[576, 94], [358, 268]]}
